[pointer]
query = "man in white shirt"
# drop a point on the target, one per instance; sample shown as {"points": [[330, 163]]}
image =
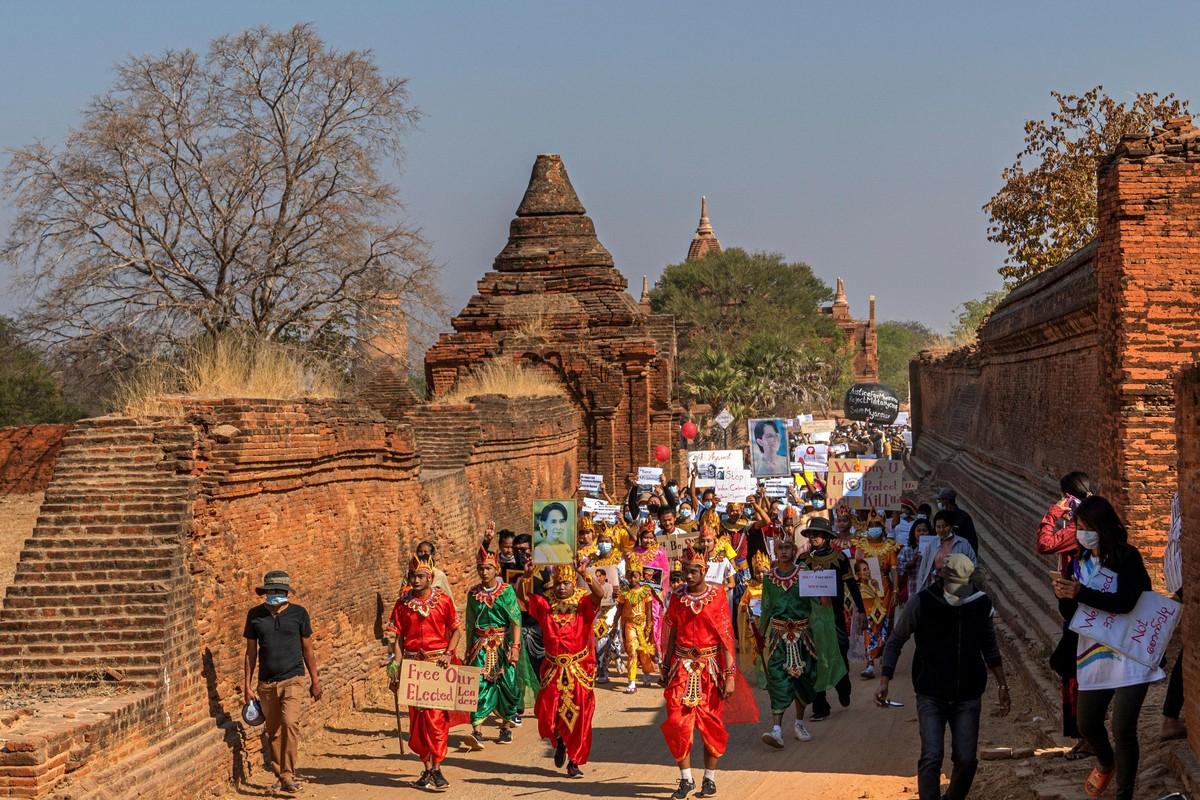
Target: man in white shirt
{"points": [[908, 515]]}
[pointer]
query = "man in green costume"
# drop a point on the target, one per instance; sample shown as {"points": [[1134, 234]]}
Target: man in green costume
{"points": [[801, 647], [494, 645]]}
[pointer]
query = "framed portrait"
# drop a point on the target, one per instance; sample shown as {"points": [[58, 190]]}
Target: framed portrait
{"points": [[768, 448], [607, 578], [554, 539], [869, 576], [653, 576], [512, 575]]}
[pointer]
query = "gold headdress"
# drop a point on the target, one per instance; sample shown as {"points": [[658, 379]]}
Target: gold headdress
{"points": [[761, 560], [421, 564]]}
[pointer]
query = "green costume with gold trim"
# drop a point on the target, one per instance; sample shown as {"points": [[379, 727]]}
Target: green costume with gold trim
{"points": [[492, 616], [800, 642]]}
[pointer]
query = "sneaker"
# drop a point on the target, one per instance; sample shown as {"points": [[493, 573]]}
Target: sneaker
{"points": [[516, 720], [560, 754], [802, 732], [774, 739], [473, 741], [685, 789], [708, 788], [425, 781], [573, 770], [819, 716], [439, 781], [868, 673], [631, 688], [601, 679], [505, 736], [844, 697]]}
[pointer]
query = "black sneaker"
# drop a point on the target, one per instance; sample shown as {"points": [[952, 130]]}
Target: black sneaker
{"points": [[708, 788], [505, 736], [516, 720], [844, 697], [819, 716], [441, 784], [424, 781], [685, 789], [560, 754], [573, 770], [474, 741]]}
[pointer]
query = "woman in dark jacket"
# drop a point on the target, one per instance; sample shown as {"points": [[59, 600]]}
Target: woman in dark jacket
{"points": [[1109, 576]]}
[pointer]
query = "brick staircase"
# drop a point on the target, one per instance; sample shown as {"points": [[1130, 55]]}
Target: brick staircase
{"points": [[102, 599], [445, 435]]}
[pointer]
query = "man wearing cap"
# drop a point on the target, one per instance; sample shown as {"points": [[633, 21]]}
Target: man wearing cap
{"points": [[964, 526], [279, 642], [908, 515], [956, 646], [822, 555]]}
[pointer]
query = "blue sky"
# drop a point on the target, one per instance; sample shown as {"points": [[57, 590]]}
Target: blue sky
{"points": [[861, 138]]}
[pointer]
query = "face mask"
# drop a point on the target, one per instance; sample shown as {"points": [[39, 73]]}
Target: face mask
{"points": [[685, 513], [706, 506], [941, 506], [628, 517], [604, 547], [1088, 540], [875, 533], [276, 599], [952, 599], [747, 513], [818, 504]]}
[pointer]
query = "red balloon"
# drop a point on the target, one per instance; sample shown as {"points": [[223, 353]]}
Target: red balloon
{"points": [[662, 453], [689, 430]]}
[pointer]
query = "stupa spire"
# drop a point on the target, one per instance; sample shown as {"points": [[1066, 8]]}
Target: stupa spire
{"points": [[705, 240]]}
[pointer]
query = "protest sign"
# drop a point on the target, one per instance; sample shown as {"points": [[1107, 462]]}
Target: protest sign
{"points": [[554, 539], [708, 462], [777, 487], [590, 483], [871, 402], [736, 485], [821, 583], [424, 684], [603, 511], [815, 456], [908, 439], [911, 486], [803, 418], [768, 448], [606, 578], [839, 449], [901, 418], [839, 466], [648, 477], [1142, 634], [818, 426], [674, 543], [866, 482]]}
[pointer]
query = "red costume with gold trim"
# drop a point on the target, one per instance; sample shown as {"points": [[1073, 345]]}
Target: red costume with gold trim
{"points": [[425, 625], [566, 702], [703, 636]]}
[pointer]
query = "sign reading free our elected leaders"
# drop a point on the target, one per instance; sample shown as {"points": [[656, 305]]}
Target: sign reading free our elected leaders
{"points": [[424, 684]]}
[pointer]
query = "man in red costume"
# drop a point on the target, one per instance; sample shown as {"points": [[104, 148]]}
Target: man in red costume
{"points": [[566, 701], [427, 628], [704, 689]]}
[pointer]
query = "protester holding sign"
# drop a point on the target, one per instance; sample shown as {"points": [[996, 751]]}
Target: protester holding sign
{"points": [[494, 645], [1110, 576], [427, 627], [654, 557], [879, 602], [801, 653]]}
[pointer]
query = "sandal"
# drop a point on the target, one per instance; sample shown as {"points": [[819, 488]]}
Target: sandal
{"points": [[1098, 781]]}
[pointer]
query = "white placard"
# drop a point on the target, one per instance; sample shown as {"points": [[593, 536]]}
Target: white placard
{"points": [[821, 583], [1142, 634], [777, 487], [839, 449], [648, 477], [803, 418], [607, 513], [815, 456], [708, 462], [901, 419], [736, 485], [852, 484], [590, 483]]}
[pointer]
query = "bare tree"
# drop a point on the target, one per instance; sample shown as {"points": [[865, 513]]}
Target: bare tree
{"points": [[237, 190]]}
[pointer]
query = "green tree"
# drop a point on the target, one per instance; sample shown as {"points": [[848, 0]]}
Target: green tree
{"points": [[29, 391], [1046, 209], [898, 343], [751, 335], [971, 315]]}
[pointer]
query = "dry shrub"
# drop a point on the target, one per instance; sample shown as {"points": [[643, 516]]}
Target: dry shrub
{"points": [[226, 367], [502, 377]]}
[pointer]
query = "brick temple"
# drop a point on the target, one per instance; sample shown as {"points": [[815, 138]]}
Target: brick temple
{"points": [[555, 300], [860, 335]]}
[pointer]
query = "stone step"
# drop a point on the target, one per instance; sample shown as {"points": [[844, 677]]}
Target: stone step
{"points": [[50, 573], [85, 588], [45, 540], [131, 606], [143, 626], [144, 651], [154, 555], [18, 674]]}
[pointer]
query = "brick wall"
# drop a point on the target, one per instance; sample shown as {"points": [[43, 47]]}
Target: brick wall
{"points": [[1187, 418], [27, 456]]}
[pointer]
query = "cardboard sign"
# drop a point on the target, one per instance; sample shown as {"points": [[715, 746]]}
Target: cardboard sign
{"points": [[815, 456], [426, 685], [819, 426], [821, 583], [866, 482], [911, 486], [709, 462], [674, 543], [838, 469], [648, 477], [736, 485], [1142, 634], [590, 483]]}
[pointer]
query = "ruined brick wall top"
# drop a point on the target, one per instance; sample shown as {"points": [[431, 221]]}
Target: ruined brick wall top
{"points": [[27, 456]]}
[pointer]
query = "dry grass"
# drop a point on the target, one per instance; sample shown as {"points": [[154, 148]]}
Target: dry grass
{"points": [[534, 312], [227, 367], [502, 377]]}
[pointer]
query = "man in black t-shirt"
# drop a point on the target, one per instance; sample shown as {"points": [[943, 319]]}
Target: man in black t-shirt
{"points": [[964, 526], [279, 642]]}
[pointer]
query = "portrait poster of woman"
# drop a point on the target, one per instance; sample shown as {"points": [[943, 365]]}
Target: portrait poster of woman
{"points": [[554, 539], [768, 448]]}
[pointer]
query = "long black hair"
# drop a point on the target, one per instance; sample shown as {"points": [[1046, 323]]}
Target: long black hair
{"points": [[1076, 484], [913, 539], [1097, 514]]}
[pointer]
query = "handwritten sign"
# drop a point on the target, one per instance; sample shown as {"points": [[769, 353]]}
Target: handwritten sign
{"points": [[911, 486], [866, 482], [709, 462], [821, 583], [1142, 634], [674, 543], [871, 402], [818, 426], [815, 456], [648, 477], [426, 685], [839, 468], [736, 485]]}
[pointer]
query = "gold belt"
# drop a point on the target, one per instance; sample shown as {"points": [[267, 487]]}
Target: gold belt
{"points": [[791, 634], [424, 655], [695, 661], [566, 671], [488, 640]]}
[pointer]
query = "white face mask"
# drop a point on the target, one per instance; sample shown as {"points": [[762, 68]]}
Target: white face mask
{"points": [[952, 599], [1088, 540], [875, 533]]}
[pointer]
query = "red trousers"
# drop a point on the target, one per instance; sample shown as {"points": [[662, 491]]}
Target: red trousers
{"points": [[429, 733], [684, 720]]}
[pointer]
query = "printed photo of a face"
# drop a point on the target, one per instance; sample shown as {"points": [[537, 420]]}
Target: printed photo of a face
{"points": [[768, 448], [554, 540]]}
